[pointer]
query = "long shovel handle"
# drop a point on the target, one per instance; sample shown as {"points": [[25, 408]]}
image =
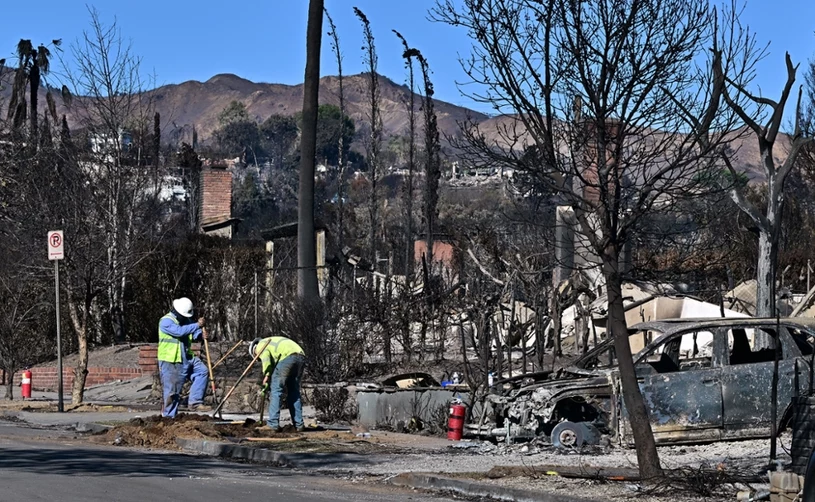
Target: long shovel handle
{"points": [[219, 361], [209, 362], [243, 375], [262, 407]]}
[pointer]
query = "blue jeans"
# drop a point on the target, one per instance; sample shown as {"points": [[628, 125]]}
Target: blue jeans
{"points": [[173, 376], [286, 375]]}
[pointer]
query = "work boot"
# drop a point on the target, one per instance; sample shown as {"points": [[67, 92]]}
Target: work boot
{"points": [[200, 407], [302, 428], [269, 428]]}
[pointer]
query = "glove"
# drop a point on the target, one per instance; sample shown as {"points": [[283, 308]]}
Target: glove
{"points": [[264, 389]]}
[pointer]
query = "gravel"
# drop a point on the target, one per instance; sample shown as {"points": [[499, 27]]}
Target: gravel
{"points": [[749, 455], [596, 490]]}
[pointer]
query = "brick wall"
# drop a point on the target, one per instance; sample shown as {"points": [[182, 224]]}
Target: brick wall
{"points": [[46, 378], [442, 252], [216, 194], [147, 359]]}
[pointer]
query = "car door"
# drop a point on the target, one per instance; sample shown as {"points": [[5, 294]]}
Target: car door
{"points": [[747, 378], [681, 385]]}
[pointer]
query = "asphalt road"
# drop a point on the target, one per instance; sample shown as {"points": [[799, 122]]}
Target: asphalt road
{"points": [[52, 465]]}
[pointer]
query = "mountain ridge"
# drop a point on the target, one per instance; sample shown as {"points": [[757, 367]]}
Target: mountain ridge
{"points": [[197, 104]]}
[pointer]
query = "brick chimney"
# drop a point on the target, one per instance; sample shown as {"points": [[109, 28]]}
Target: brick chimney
{"points": [[591, 157], [216, 197]]}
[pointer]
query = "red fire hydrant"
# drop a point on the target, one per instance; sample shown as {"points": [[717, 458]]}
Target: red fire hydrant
{"points": [[455, 423], [25, 384]]}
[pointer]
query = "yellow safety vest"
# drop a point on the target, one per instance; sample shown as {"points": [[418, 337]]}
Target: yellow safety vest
{"points": [[278, 348], [169, 347]]}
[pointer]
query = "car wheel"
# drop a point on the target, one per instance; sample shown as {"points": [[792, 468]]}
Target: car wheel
{"points": [[568, 435]]}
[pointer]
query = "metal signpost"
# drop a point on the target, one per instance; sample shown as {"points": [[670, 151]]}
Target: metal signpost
{"points": [[56, 252]]}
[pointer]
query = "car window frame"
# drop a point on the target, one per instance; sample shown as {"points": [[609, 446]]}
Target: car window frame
{"points": [[718, 350]]}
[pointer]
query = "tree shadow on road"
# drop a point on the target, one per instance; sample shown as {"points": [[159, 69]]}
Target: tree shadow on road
{"points": [[112, 462]]}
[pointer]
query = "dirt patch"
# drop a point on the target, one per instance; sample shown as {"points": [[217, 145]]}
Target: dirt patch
{"points": [[159, 432]]}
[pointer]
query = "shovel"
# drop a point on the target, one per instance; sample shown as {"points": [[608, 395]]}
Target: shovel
{"points": [[262, 406], [243, 375], [209, 362]]}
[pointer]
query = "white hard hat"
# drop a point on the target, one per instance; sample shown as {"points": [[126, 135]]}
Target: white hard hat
{"points": [[253, 345], [183, 306]]}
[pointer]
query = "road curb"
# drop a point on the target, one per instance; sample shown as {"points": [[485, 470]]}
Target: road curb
{"points": [[227, 450], [259, 454], [474, 489]]}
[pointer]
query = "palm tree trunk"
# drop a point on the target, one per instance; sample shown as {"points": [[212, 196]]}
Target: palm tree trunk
{"points": [[34, 81], [307, 288]]}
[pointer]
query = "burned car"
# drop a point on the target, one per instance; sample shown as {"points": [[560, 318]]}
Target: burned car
{"points": [[702, 380]]}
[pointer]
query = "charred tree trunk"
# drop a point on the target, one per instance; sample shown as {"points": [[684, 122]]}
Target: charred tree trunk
{"points": [[34, 81], [647, 456], [371, 61], [156, 148], [8, 375], [766, 270]]}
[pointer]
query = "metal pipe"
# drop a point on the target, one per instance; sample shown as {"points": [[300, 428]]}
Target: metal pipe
{"points": [[774, 394], [60, 397]]}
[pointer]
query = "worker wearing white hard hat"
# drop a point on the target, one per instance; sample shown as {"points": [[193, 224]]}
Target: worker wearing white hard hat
{"points": [[176, 360], [283, 361]]}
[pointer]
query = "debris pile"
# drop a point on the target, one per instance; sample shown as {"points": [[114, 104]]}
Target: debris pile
{"points": [[159, 432]]}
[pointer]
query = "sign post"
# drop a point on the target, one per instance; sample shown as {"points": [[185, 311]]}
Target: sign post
{"points": [[56, 252]]}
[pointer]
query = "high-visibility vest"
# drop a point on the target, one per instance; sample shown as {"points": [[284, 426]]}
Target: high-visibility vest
{"points": [[169, 347], [278, 348]]}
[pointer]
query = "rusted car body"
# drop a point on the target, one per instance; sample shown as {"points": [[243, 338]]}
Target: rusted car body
{"points": [[702, 380]]}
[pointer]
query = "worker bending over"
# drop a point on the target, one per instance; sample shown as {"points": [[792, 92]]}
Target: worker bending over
{"points": [[176, 361], [283, 362]]}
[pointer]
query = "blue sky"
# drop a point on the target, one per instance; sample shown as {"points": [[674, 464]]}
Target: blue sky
{"points": [[264, 41]]}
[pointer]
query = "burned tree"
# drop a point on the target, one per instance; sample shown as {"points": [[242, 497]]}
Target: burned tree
{"points": [[432, 160], [601, 92], [373, 143], [765, 120], [408, 54], [342, 161]]}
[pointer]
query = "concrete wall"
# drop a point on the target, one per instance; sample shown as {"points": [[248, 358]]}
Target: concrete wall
{"points": [[387, 407]]}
